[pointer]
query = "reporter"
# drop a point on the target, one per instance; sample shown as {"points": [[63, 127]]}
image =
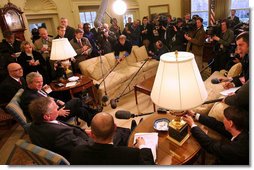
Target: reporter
{"points": [[233, 151]]}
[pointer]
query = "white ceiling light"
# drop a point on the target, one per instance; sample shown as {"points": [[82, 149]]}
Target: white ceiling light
{"points": [[119, 7]]}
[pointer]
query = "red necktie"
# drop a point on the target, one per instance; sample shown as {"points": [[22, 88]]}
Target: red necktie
{"points": [[20, 82]]}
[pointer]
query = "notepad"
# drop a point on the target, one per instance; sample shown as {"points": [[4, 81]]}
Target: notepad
{"points": [[151, 141], [228, 91], [73, 83]]}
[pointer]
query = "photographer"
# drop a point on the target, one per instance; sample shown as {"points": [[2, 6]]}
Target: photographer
{"points": [[222, 48], [178, 40], [196, 41]]}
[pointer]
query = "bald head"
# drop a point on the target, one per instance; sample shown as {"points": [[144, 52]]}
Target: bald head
{"points": [[103, 127], [15, 70]]}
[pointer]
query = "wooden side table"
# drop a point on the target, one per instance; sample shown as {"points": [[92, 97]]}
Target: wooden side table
{"points": [[82, 84], [145, 87], [168, 153]]}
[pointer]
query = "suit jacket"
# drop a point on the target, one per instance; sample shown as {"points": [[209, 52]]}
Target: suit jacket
{"points": [[245, 71], [196, 44], [69, 33], [7, 50], [60, 138], [228, 152], [241, 97], [9, 87], [108, 154], [25, 99], [39, 44]]}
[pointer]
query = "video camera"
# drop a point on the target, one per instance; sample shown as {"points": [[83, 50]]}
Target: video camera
{"points": [[189, 26], [214, 29]]}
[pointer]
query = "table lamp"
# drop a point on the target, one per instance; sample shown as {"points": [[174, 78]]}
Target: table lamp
{"points": [[178, 86], [62, 51]]}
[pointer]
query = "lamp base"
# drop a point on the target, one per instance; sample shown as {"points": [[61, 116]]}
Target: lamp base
{"points": [[178, 134]]}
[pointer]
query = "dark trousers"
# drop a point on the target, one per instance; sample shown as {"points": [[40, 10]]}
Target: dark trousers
{"points": [[79, 109]]}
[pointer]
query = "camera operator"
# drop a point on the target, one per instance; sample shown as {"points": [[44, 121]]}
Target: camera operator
{"points": [[178, 40], [222, 47], [196, 41], [168, 31]]}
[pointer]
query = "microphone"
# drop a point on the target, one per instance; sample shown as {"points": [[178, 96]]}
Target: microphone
{"points": [[123, 114], [105, 98], [213, 101], [113, 103], [215, 81]]}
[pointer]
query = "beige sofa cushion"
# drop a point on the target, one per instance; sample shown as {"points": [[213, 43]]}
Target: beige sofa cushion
{"points": [[111, 59], [140, 53], [149, 64], [132, 57], [213, 91], [93, 67], [217, 111], [235, 70]]}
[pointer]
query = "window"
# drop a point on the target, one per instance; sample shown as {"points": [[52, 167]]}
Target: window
{"points": [[200, 8], [88, 17], [242, 9], [125, 18]]}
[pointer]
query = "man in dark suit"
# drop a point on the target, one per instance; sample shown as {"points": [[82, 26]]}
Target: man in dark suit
{"points": [[103, 152], [49, 133], [73, 107], [70, 31], [234, 151], [12, 83], [234, 20], [9, 47]]}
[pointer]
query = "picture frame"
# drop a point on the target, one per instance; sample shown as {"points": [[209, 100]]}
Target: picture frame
{"points": [[13, 20], [158, 9]]}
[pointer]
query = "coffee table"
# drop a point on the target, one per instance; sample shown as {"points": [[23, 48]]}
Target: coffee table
{"points": [[145, 87], [168, 153]]}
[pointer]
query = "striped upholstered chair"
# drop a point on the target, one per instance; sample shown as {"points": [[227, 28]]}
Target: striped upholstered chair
{"points": [[39, 155], [15, 110]]}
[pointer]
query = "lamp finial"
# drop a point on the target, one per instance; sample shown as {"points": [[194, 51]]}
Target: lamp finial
{"points": [[176, 53]]}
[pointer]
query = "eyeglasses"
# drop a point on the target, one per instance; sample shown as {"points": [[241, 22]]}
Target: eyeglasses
{"points": [[18, 69]]}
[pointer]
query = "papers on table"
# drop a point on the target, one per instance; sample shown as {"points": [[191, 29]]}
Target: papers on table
{"points": [[151, 141], [228, 91], [73, 83]]}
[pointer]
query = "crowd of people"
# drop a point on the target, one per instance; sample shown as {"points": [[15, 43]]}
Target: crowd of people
{"points": [[26, 65]]}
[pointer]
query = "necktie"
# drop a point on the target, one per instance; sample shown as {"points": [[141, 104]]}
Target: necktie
{"points": [[41, 92], [20, 82], [80, 43]]}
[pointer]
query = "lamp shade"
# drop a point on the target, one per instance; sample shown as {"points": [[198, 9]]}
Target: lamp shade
{"points": [[61, 49], [178, 84]]}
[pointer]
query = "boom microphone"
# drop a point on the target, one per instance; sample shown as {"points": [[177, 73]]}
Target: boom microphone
{"points": [[215, 81], [113, 102], [213, 101], [123, 114]]}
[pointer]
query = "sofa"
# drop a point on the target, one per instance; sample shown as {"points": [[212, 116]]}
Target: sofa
{"points": [[120, 77], [216, 109]]}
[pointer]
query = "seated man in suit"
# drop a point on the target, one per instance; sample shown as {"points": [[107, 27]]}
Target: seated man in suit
{"points": [[49, 133], [12, 83], [73, 107], [103, 152], [235, 151]]}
